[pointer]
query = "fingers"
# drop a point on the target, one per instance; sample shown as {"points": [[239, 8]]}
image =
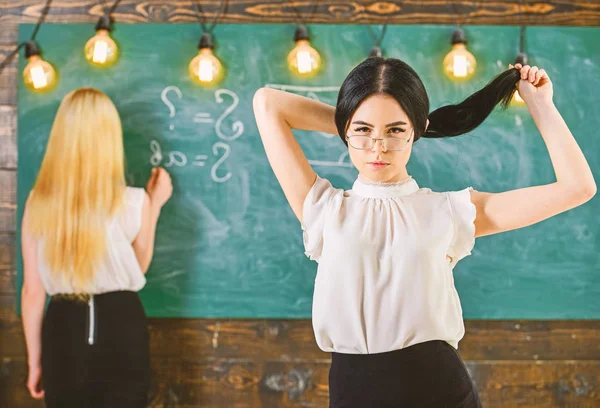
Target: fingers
{"points": [[34, 392], [152, 179], [540, 76], [163, 176], [532, 73]]}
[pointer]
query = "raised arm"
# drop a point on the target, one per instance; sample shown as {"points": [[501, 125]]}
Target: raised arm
{"points": [[574, 183], [158, 190], [277, 113]]}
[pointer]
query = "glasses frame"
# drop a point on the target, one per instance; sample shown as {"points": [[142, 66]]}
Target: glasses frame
{"points": [[383, 142]]}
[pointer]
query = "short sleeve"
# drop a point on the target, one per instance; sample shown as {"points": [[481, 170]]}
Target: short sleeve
{"points": [[131, 219], [314, 214], [463, 213]]}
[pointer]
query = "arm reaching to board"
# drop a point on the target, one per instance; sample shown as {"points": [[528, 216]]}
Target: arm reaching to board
{"points": [[158, 192]]}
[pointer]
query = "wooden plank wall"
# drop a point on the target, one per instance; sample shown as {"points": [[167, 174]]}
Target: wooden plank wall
{"points": [[275, 363]]}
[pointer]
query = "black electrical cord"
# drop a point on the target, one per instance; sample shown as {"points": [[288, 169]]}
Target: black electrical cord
{"points": [[10, 56]]}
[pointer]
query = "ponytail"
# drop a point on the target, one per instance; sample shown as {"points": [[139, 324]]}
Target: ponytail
{"points": [[455, 120], [390, 76]]}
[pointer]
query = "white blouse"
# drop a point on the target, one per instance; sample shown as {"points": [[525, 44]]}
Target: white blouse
{"points": [[386, 253], [120, 269]]}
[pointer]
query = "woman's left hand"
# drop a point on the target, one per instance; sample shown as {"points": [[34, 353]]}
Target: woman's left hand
{"points": [[34, 382], [535, 85]]}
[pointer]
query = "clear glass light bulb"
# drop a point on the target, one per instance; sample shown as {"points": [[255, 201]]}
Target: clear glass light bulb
{"points": [[304, 60], [101, 50], [459, 64], [205, 68], [39, 75], [518, 99]]}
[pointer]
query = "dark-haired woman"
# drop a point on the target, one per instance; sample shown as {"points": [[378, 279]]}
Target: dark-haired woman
{"points": [[384, 303]]}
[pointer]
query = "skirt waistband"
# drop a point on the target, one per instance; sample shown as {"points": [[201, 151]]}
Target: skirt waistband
{"points": [[85, 297], [395, 357]]}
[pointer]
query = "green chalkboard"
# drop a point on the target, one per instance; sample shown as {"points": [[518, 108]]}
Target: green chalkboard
{"points": [[227, 243]]}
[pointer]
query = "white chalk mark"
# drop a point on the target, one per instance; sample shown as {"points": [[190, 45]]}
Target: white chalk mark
{"points": [[238, 126], [339, 163], [298, 88], [213, 171], [156, 157], [199, 160], [176, 159], [329, 163], [203, 117], [166, 101]]}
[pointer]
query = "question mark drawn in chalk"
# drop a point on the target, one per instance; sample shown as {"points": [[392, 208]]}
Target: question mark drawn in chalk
{"points": [[169, 104]]}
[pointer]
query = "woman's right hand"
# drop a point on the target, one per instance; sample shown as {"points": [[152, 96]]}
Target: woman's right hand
{"points": [[159, 187], [34, 382]]}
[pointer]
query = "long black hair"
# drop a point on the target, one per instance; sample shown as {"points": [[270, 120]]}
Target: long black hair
{"points": [[379, 76]]}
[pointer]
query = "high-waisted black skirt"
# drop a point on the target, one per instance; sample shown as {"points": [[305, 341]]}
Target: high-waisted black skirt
{"points": [[95, 352], [425, 375]]}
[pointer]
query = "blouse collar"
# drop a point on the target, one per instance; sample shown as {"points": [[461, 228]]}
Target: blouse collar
{"points": [[371, 189]]}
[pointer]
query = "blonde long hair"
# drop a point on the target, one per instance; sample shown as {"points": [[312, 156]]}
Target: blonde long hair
{"points": [[80, 186]]}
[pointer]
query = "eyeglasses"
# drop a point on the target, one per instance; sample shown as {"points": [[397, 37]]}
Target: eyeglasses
{"points": [[390, 143]]}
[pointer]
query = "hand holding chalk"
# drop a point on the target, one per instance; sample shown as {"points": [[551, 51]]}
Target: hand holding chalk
{"points": [[535, 85], [159, 187]]}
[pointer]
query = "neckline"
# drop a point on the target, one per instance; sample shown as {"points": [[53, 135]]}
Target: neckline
{"points": [[370, 189]]}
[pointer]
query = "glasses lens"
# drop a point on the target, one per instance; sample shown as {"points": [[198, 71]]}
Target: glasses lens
{"points": [[360, 142], [396, 143]]}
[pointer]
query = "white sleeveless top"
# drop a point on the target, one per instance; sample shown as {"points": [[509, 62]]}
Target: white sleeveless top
{"points": [[386, 254], [120, 269]]}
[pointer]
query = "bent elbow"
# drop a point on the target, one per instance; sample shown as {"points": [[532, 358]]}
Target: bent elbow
{"points": [[583, 193], [260, 101], [588, 191]]}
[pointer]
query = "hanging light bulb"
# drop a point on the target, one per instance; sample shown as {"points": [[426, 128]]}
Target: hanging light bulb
{"points": [[303, 60], [38, 75], [376, 52], [521, 59], [101, 50], [459, 63], [205, 69]]}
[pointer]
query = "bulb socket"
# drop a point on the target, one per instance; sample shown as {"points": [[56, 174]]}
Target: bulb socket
{"points": [[521, 58], [31, 49], [301, 33], [376, 52], [104, 23], [206, 41], [458, 37]]}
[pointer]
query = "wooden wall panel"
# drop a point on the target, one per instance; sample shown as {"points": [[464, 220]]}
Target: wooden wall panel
{"points": [[502, 12]]}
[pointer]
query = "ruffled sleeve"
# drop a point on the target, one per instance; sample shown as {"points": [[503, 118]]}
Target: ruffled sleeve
{"points": [[131, 220], [463, 219], [314, 215]]}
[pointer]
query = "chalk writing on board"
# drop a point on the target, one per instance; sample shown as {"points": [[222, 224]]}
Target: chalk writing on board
{"points": [[318, 93], [179, 159], [222, 96], [203, 117], [166, 101], [238, 126], [339, 163]]}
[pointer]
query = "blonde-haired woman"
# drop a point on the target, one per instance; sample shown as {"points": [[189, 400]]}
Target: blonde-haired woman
{"points": [[87, 241]]}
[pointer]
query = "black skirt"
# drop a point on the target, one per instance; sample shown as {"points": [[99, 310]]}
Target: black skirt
{"points": [[425, 375], [95, 352]]}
